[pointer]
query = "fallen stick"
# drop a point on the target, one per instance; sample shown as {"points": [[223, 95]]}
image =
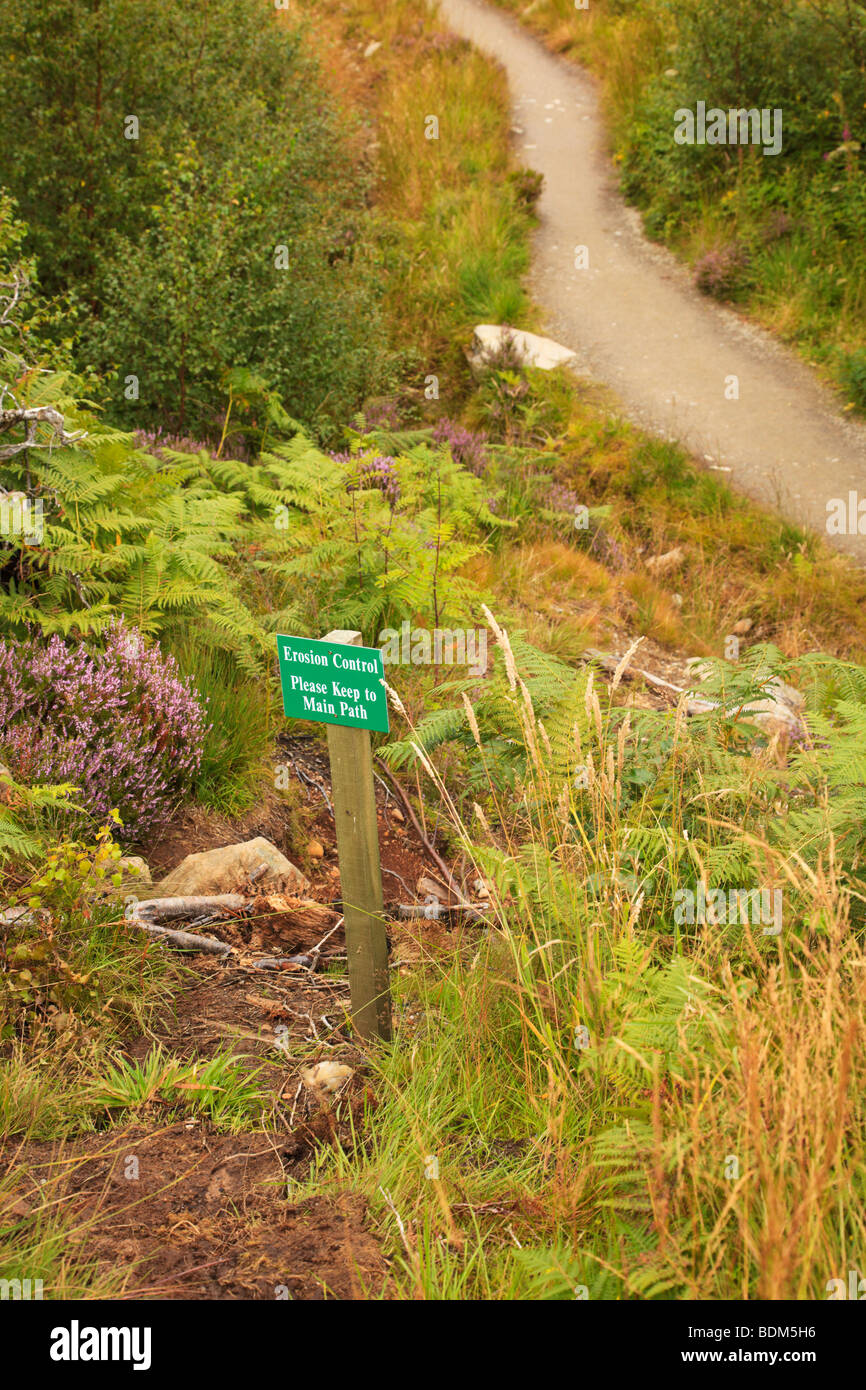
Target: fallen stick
{"points": [[149, 915], [434, 911], [186, 940], [283, 962], [167, 908]]}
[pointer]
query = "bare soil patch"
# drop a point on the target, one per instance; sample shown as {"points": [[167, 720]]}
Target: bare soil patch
{"points": [[205, 1216]]}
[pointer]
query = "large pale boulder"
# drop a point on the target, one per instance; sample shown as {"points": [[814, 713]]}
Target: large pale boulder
{"points": [[779, 710], [233, 869], [529, 349]]}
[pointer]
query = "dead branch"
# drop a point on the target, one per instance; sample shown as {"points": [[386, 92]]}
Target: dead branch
{"points": [[33, 417], [150, 914], [186, 940], [435, 912]]}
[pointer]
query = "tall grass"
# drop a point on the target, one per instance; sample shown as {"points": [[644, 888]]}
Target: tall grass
{"points": [[621, 1107], [456, 232]]}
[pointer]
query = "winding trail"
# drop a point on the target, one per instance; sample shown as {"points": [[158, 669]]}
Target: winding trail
{"points": [[636, 322]]}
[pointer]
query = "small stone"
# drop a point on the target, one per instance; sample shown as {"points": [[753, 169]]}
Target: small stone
{"points": [[372, 47], [429, 888], [741, 627], [135, 867], [315, 850], [326, 1078], [134, 875], [664, 564], [397, 814]]}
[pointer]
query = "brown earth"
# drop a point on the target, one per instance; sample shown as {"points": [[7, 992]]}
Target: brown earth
{"points": [[209, 1215], [203, 1216], [193, 829]]}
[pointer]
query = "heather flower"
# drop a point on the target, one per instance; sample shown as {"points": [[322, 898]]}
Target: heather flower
{"points": [[381, 415], [720, 272], [562, 499], [467, 447], [156, 443], [118, 722], [371, 470]]}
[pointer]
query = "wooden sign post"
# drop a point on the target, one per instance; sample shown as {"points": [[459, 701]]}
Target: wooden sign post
{"points": [[345, 689]]}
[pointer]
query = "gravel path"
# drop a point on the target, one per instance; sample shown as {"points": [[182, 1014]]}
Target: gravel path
{"points": [[634, 319]]}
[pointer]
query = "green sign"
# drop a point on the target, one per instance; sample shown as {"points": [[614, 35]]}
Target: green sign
{"points": [[333, 683]]}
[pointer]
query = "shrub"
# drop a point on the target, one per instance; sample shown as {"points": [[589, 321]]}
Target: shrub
{"points": [[228, 228], [720, 272], [117, 722], [467, 447], [853, 374], [527, 185]]}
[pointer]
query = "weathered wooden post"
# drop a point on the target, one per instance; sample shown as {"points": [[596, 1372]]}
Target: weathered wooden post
{"points": [[337, 682]]}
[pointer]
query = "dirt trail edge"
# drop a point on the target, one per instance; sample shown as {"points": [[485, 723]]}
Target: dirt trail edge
{"points": [[634, 319]]}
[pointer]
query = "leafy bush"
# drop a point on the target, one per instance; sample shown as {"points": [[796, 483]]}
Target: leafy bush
{"points": [[720, 272], [66, 960], [118, 722], [853, 374], [227, 229]]}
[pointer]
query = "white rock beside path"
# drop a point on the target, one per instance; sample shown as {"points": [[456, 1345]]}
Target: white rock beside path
{"points": [[530, 349]]}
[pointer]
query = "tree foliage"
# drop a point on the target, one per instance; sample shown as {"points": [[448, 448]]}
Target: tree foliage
{"points": [[182, 170]]}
